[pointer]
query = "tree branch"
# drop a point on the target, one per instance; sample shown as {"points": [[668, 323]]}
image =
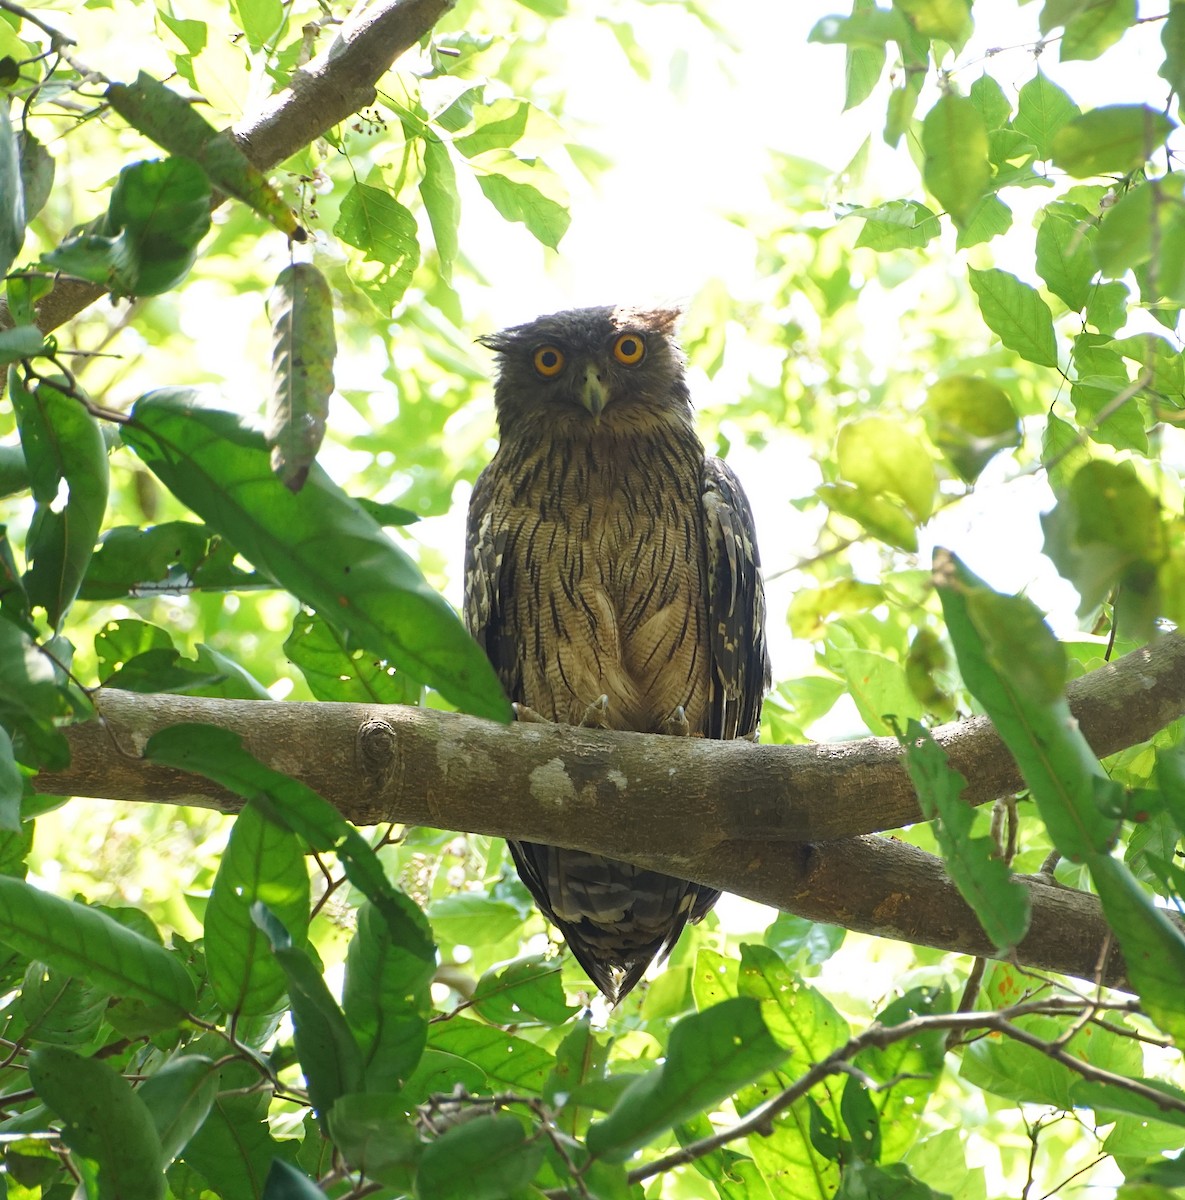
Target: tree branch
{"points": [[772, 823], [328, 89], [761, 1118]]}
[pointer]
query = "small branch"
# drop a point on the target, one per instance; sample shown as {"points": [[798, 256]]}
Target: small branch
{"points": [[880, 1036], [56, 37], [327, 90]]}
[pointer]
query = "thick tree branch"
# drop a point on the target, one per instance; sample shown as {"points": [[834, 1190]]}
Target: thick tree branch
{"points": [[328, 89], [774, 823]]}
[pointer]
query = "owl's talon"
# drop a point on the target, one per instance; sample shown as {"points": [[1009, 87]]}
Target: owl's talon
{"points": [[524, 712], [596, 716], [677, 725]]}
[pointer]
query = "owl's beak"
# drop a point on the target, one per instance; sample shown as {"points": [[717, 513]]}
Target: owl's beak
{"points": [[592, 393]]}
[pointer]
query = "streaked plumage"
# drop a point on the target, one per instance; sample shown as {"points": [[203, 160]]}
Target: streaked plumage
{"points": [[606, 556]]}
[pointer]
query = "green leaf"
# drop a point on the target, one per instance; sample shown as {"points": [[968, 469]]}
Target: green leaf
{"points": [[219, 755], [438, 190], [1107, 412], [1096, 27], [175, 556], [524, 190], [982, 877], [882, 517], [709, 1056], [903, 101], [233, 1150], [303, 348], [118, 642], [1016, 314], [1042, 109], [486, 1158], [867, 26], [1106, 309], [84, 942], [1065, 260], [801, 1019], [23, 341], [508, 1062], [179, 1097], [878, 686], [1153, 946], [31, 700], [148, 239], [970, 420], [103, 1120], [1114, 139], [329, 1055], [1172, 38], [580, 1059], [263, 21], [1106, 531], [893, 1181], [12, 785], [473, 918], [58, 1008], [949, 20], [1147, 226], [956, 169], [334, 670], [1015, 668], [1113, 1099], [895, 225], [862, 1121], [988, 96], [988, 219], [285, 1182], [317, 543], [263, 863], [374, 222], [523, 992], [386, 999], [141, 658], [62, 444], [373, 1134], [1062, 452], [176, 126], [911, 1068], [12, 194], [14, 477], [863, 65], [499, 127], [881, 457]]}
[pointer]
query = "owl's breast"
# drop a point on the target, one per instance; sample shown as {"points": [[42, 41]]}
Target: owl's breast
{"points": [[612, 558]]}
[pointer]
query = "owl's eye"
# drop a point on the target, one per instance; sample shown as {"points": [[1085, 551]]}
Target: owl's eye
{"points": [[629, 349], [549, 361]]}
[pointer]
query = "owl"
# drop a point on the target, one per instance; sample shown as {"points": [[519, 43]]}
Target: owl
{"points": [[612, 578]]}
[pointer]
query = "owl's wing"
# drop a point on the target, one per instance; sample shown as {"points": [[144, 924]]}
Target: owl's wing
{"points": [[736, 606], [486, 584]]}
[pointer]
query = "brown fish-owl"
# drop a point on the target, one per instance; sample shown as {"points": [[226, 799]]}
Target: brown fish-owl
{"points": [[612, 577]]}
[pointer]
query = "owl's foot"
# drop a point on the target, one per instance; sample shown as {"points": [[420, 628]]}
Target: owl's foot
{"points": [[596, 716], [524, 712], [677, 725]]}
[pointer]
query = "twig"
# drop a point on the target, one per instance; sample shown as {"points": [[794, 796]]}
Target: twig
{"points": [[881, 1036]]}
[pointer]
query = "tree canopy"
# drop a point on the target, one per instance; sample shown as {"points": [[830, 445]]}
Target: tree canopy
{"points": [[277, 948]]}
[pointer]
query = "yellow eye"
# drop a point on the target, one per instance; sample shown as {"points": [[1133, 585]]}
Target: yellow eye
{"points": [[549, 361], [629, 349]]}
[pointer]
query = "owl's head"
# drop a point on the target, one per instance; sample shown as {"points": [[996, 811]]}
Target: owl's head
{"points": [[588, 364]]}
